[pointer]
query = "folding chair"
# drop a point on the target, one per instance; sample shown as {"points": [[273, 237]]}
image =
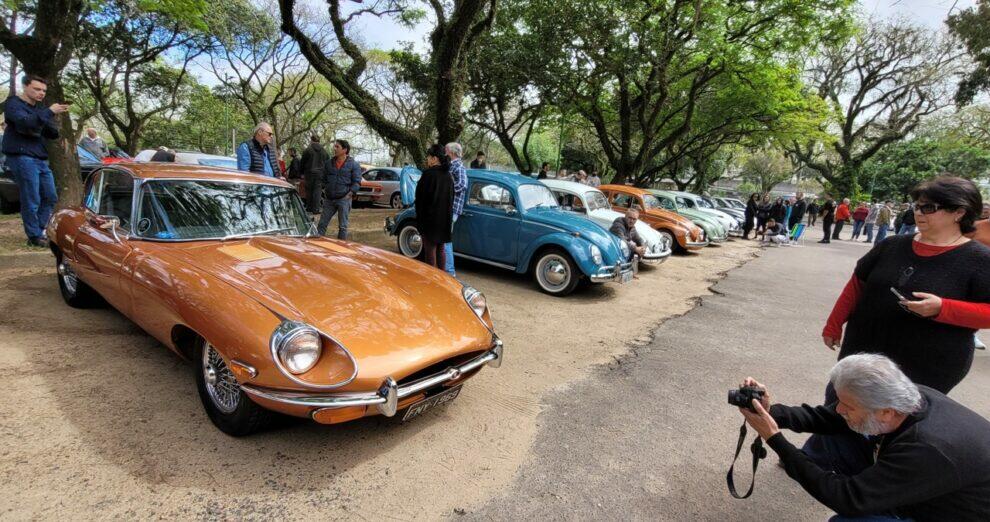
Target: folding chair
{"points": [[796, 232]]}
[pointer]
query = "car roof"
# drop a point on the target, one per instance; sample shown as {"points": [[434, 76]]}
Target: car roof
{"points": [[572, 186], [393, 169], [625, 188], [512, 180], [198, 172]]}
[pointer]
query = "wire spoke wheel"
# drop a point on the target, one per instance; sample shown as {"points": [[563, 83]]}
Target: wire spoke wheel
{"points": [[221, 385], [68, 276]]}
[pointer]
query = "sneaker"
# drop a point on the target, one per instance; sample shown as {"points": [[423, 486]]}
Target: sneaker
{"points": [[38, 242]]}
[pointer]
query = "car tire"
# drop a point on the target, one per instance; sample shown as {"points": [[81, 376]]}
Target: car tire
{"points": [[8, 207], [409, 241], [395, 201], [556, 273], [75, 292], [226, 404], [675, 247]]}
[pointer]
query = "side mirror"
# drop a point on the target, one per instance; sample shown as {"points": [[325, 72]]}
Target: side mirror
{"points": [[111, 223], [511, 211]]}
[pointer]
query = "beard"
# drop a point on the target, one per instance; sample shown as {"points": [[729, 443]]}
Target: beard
{"points": [[868, 426]]}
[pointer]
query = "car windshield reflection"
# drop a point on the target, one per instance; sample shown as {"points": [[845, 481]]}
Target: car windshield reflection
{"points": [[536, 196], [596, 200], [196, 210]]}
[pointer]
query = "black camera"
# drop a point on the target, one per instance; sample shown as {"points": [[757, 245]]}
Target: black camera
{"points": [[743, 397]]}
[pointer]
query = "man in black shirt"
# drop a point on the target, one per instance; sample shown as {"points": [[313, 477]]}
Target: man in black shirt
{"points": [[797, 210], [479, 161], [828, 217], [930, 458]]}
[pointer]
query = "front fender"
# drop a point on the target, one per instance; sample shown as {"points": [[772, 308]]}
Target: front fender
{"points": [[400, 218], [578, 248]]}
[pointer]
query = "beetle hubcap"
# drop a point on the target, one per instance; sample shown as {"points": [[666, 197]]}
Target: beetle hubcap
{"points": [[553, 272], [412, 242], [221, 385], [68, 277]]}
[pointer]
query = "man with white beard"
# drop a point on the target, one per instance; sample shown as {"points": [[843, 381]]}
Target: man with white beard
{"points": [[931, 455]]}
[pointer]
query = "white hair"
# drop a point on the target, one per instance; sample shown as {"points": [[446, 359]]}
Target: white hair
{"points": [[876, 382], [261, 126], [455, 149]]}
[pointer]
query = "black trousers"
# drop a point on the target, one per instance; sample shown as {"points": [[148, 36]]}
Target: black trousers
{"points": [[838, 229], [827, 226]]}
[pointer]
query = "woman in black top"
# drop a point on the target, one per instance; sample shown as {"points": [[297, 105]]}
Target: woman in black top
{"points": [[777, 210], [435, 206], [762, 214], [750, 214]]}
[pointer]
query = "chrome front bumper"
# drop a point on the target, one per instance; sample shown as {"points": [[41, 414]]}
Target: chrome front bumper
{"points": [[611, 273], [387, 398], [652, 258]]}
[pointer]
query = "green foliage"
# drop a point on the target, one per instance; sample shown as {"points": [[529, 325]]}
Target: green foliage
{"points": [[898, 168], [766, 169], [203, 124], [971, 26]]}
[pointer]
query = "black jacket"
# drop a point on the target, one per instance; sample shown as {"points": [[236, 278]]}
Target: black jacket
{"points": [[778, 212], [797, 210], [28, 126], [934, 466], [435, 204], [313, 159], [626, 233]]}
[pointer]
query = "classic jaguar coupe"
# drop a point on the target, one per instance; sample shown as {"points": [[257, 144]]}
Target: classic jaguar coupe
{"points": [[514, 222], [224, 269]]}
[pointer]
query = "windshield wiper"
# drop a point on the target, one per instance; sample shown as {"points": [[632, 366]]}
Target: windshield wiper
{"points": [[261, 233]]}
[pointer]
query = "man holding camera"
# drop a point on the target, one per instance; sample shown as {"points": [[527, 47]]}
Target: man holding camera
{"points": [[931, 455]]}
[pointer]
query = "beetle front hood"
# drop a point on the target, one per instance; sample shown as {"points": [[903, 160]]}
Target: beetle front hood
{"points": [[394, 315]]}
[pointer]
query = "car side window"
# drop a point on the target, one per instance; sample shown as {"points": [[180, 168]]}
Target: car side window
{"points": [[116, 195], [387, 175], [623, 200], [371, 175], [667, 203], [490, 195], [92, 198]]}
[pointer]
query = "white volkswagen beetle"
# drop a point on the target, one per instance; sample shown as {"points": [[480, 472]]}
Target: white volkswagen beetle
{"points": [[591, 202]]}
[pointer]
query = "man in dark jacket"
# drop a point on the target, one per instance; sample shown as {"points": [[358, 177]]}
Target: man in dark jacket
{"points": [[798, 209], [625, 229], [29, 124], [257, 155], [341, 181], [828, 217], [927, 457], [313, 159]]}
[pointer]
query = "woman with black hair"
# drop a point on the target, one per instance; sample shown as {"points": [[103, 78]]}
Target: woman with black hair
{"points": [[435, 206], [917, 299], [750, 214]]}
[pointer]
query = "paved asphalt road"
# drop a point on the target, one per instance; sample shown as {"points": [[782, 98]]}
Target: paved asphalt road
{"points": [[650, 436]]}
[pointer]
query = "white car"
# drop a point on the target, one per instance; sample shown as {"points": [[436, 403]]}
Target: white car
{"points": [[193, 158], [591, 202], [697, 202]]}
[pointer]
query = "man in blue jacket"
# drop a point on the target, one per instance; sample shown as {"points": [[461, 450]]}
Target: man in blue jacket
{"points": [[29, 124], [341, 181], [257, 155]]}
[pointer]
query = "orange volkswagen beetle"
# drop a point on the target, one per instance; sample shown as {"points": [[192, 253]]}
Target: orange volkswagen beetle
{"points": [[681, 231], [225, 270]]}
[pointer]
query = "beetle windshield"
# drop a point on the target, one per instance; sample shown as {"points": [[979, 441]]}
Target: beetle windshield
{"points": [[685, 202], [704, 203], [596, 200], [200, 209], [533, 196]]}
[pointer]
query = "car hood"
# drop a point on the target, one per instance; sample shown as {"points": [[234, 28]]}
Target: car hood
{"points": [[605, 218], [571, 222], [700, 216], [395, 315]]}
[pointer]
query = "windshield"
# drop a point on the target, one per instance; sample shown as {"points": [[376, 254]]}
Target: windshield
{"points": [[199, 209], [596, 200], [685, 202], [736, 203], [651, 201], [533, 196], [218, 162], [704, 203]]}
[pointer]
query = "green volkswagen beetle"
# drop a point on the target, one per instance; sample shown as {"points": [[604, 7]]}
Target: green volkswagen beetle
{"points": [[714, 230]]}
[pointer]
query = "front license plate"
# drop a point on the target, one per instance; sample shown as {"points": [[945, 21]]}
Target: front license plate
{"points": [[625, 277], [431, 402]]}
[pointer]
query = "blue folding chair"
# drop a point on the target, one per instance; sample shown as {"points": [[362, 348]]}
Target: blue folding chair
{"points": [[796, 232]]}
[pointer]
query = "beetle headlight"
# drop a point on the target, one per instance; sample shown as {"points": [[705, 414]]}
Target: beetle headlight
{"points": [[596, 255], [624, 248], [296, 347], [476, 300]]}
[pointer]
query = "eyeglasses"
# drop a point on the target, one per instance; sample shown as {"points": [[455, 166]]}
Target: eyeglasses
{"points": [[931, 208]]}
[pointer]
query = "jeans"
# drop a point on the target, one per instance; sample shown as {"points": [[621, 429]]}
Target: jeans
{"points": [[448, 251], [869, 232], [881, 233], [827, 228], [857, 227], [37, 190], [907, 229], [331, 207]]}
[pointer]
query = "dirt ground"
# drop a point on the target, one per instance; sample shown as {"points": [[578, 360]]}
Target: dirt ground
{"points": [[98, 420]]}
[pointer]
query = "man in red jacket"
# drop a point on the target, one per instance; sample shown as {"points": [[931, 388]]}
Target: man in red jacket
{"points": [[841, 217]]}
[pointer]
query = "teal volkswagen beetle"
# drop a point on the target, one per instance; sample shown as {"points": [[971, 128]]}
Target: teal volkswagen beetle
{"points": [[514, 222]]}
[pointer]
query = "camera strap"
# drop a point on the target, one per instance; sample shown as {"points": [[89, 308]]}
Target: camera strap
{"points": [[759, 452]]}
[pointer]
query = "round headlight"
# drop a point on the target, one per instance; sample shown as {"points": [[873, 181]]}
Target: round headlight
{"points": [[596, 255], [300, 349], [624, 247], [476, 300]]}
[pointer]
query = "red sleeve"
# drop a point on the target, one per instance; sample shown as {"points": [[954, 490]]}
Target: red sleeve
{"points": [[965, 314], [843, 308]]}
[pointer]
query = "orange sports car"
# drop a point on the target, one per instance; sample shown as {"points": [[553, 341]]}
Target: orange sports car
{"points": [[680, 230], [225, 270]]}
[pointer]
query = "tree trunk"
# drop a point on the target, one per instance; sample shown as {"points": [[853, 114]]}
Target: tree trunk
{"points": [[62, 155]]}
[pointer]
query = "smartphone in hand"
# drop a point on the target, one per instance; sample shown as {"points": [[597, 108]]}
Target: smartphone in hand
{"points": [[899, 295], [902, 300]]}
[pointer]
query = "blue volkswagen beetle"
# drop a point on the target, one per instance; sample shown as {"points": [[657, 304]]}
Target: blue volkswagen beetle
{"points": [[514, 222]]}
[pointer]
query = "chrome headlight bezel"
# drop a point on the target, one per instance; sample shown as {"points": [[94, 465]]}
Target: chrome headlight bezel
{"points": [[478, 304], [596, 255], [284, 336], [624, 248]]}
